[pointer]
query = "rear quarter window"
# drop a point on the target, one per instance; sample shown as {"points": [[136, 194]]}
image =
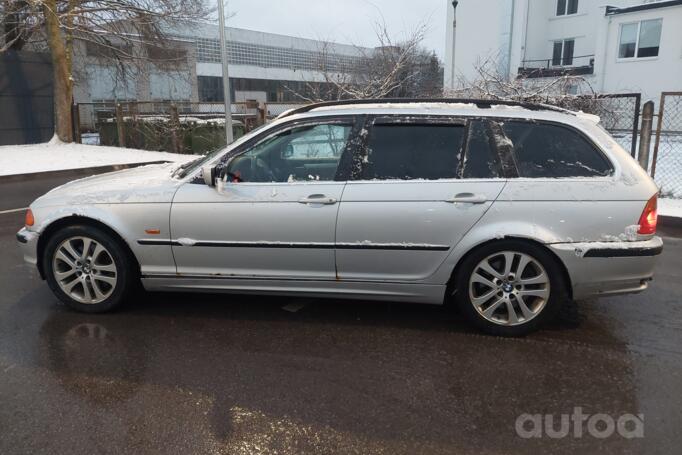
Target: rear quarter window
{"points": [[549, 150]]}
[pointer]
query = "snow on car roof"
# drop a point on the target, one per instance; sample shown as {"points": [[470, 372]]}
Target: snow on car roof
{"points": [[491, 109]]}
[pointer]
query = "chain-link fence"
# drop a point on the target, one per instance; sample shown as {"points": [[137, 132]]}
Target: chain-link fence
{"points": [[666, 167], [179, 127], [189, 127]]}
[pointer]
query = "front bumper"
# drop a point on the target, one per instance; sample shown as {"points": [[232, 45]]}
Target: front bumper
{"points": [[608, 268], [28, 243]]}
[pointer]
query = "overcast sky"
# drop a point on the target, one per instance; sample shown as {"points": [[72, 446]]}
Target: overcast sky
{"points": [[344, 21]]}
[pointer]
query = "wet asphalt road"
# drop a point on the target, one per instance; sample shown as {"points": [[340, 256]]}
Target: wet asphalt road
{"points": [[238, 374]]}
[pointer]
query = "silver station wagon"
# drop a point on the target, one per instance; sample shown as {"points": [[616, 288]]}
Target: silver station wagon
{"points": [[504, 209]]}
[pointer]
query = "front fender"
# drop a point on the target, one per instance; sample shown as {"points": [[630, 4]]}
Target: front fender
{"points": [[129, 221]]}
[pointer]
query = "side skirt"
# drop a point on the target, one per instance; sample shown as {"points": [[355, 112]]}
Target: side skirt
{"points": [[396, 292]]}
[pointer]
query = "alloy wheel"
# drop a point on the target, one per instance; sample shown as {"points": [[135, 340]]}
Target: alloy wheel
{"points": [[84, 269], [509, 288]]}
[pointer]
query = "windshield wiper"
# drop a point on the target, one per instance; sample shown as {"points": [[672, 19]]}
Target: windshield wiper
{"points": [[181, 170]]}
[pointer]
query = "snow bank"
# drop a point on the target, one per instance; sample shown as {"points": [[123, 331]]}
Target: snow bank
{"points": [[56, 156], [670, 207]]}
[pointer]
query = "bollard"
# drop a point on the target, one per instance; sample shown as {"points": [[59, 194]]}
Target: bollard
{"points": [[645, 134]]}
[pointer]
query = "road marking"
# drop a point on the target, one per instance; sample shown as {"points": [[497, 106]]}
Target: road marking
{"points": [[3, 212]]}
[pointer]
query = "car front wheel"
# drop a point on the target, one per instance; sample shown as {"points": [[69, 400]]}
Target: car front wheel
{"points": [[88, 269], [510, 288]]}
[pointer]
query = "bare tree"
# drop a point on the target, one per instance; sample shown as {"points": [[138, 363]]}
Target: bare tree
{"points": [[395, 68], [124, 31], [491, 83], [564, 90]]}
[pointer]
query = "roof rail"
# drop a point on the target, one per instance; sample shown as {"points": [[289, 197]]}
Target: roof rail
{"points": [[480, 103]]}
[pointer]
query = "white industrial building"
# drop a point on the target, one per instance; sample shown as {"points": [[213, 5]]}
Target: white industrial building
{"points": [[616, 45], [263, 66]]}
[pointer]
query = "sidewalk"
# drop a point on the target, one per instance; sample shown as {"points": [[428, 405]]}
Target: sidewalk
{"points": [[670, 207], [54, 156], [670, 216]]}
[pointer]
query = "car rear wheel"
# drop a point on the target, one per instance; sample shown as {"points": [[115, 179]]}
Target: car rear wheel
{"points": [[88, 269], [510, 288]]}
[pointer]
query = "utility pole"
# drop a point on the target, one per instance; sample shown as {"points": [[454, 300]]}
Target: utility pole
{"points": [[454, 40], [226, 73]]}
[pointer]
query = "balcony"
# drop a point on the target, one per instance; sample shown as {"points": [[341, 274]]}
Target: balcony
{"points": [[575, 66]]}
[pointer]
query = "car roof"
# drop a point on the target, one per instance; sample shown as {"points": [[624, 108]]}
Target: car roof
{"points": [[463, 108]]}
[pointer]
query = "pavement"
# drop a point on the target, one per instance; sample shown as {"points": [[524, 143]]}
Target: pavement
{"points": [[176, 373]]}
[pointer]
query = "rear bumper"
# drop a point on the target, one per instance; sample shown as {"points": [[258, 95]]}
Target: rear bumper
{"points": [[28, 243], [608, 268]]}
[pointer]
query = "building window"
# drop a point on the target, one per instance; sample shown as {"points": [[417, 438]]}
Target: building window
{"points": [[563, 52], [210, 88], [208, 50], [566, 7], [640, 39]]}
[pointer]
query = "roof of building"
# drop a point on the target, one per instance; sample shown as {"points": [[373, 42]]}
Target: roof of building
{"points": [[209, 30], [612, 10]]}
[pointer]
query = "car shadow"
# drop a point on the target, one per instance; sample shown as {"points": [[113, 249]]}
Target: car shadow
{"points": [[320, 310]]}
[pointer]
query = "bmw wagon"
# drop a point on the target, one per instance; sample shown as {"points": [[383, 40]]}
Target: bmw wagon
{"points": [[503, 209]]}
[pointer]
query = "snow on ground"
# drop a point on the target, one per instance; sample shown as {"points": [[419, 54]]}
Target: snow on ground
{"points": [[670, 207], [54, 156]]}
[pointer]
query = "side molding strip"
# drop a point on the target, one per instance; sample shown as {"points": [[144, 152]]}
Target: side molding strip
{"points": [[623, 252], [325, 246]]}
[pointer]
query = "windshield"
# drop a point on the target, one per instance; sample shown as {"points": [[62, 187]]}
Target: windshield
{"points": [[193, 165]]}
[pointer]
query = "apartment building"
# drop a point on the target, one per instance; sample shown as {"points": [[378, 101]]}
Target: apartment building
{"points": [[616, 45]]}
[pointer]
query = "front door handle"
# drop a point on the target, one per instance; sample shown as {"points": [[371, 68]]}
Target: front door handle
{"points": [[468, 198], [317, 199]]}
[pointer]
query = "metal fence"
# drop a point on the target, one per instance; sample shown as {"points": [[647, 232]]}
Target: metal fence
{"points": [[178, 127], [666, 166], [189, 127]]}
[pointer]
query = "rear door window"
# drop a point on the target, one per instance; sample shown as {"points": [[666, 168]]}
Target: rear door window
{"points": [[481, 160], [398, 151], [547, 150]]}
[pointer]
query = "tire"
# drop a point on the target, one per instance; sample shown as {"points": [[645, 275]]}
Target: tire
{"points": [[485, 296], [97, 282]]}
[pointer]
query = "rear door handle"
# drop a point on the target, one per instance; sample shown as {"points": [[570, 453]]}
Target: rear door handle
{"points": [[317, 199], [468, 198]]}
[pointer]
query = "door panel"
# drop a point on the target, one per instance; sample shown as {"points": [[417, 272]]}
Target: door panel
{"points": [[256, 229], [273, 214], [424, 183], [404, 230]]}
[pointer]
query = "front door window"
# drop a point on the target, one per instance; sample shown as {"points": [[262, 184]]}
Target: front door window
{"points": [[300, 154]]}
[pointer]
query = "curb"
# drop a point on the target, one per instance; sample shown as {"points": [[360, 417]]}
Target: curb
{"points": [[73, 172]]}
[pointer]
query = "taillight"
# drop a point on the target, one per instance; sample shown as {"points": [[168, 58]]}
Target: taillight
{"points": [[647, 222], [29, 220]]}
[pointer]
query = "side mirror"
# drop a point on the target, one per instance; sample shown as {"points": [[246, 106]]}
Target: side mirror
{"points": [[209, 175]]}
